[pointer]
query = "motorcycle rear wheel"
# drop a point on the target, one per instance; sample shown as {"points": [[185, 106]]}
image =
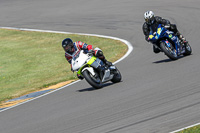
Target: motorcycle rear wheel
{"points": [[188, 50], [117, 76], [93, 81], [170, 52]]}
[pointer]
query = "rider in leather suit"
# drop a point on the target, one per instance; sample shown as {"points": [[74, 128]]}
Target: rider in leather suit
{"points": [[150, 20], [74, 48]]}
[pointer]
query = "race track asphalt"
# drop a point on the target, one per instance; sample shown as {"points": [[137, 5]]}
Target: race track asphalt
{"points": [[157, 95]]}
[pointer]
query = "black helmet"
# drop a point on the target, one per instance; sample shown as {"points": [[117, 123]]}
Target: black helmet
{"points": [[67, 45]]}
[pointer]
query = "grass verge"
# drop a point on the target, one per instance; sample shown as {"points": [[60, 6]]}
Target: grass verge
{"points": [[195, 129], [30, 61]]}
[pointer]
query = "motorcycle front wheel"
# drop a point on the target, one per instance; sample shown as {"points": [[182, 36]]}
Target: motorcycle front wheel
{"points": [[94, 81], [169, 51]]}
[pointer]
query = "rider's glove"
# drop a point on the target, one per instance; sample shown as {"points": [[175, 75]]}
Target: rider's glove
{"points": [[167, 26], [80, 77], [147, 38], [91, 52]]}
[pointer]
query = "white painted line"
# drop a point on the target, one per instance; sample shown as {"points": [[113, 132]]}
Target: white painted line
{"points": [[185, 128], [130, 48]]}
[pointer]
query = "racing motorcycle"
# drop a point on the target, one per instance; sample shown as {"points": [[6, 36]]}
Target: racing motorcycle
{"points": [[166, 41], [94, 70]]}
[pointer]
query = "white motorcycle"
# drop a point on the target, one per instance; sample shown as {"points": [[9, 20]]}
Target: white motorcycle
{"points": [[94, 70]]}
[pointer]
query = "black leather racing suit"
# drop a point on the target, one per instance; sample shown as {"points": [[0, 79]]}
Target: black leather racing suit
{"points": [[158, 20]]}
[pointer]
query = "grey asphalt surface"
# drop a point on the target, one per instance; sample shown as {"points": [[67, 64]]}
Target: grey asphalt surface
{"points": [[157, 95]]}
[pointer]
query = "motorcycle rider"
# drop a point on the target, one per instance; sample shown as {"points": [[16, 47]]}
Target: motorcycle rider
{"points": [[150, 20], [74, 48]]}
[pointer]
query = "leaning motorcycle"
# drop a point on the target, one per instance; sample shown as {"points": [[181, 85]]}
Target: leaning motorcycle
{"points": [[94, 70], [166, 41]]}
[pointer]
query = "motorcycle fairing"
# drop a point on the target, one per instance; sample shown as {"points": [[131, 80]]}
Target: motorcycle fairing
{"points": [[87, 64], [90, 69], [164, 33]]}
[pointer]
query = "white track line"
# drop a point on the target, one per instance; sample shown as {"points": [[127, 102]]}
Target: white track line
{"points": [[130, 48], [185, 128]]}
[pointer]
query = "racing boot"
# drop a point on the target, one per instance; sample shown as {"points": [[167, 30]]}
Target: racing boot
{"points": [[183, 43], [107, 63], [182, 39], [80, 77], [106, 66]]}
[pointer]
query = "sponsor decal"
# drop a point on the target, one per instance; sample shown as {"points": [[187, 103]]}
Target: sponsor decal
{"points": [[151, 36], [173, 38], [159, 31]]}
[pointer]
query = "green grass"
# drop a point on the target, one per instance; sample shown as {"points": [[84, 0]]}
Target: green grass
{"points": [[195, 129], [30, 61]]}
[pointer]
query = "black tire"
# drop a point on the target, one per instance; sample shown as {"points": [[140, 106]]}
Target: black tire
{"points": [[117, 76], [91, 81], [170, 52], [188, 50]]}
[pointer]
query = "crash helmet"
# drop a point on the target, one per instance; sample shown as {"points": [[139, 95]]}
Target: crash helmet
{"points": [[149, 17], [68, 45]]}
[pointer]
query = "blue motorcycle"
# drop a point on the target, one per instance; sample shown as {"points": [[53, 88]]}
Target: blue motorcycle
{"points": [[167, 42]]}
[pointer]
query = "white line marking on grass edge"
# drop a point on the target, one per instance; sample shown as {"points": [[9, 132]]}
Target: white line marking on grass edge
{"points": [[130, 48], [185, 128]]}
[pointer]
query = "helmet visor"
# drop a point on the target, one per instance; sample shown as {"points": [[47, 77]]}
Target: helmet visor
{"points": [[147, 20], [68, 48], [150, 20]]}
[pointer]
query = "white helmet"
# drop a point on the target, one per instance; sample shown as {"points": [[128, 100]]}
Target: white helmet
{"points": [[149, 17]]}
